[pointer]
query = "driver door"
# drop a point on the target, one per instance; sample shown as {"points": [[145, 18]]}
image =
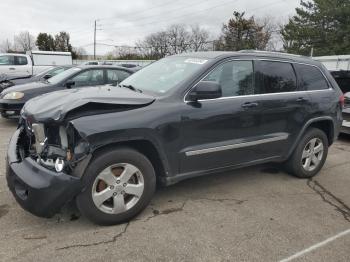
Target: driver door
{"points": [[215, 131]]}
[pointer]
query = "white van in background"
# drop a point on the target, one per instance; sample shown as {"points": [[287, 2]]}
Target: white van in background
{"points": [[335, 62], [31, 63]]}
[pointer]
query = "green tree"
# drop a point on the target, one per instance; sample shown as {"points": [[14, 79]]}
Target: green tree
{"points": [[62, 42], [321, 25], [243, 33], [45, 42]]}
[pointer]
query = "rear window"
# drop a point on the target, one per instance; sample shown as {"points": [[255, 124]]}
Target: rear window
{"points": [[274, 77], [310, 78]]}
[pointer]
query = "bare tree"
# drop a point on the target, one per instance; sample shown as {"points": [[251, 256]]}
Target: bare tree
{"points": [[175, 39], [6, 47], [198, 38], [178, 38], [155, 45], [79, 52], [24, 41], [272, 38]]}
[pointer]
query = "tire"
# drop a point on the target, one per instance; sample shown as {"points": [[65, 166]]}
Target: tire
{"points": [[297, 164], [113, 166]]}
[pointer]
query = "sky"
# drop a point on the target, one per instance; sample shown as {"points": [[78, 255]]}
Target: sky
{"points": [[126, 22]]}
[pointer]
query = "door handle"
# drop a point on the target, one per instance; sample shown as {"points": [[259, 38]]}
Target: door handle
{"points": [[302, 99], [249, 105], [12, 68]]}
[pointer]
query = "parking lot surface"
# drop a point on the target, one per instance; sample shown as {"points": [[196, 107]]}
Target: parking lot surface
{"points": [[252, 214]]}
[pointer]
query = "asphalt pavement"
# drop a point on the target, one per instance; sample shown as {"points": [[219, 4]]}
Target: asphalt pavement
{"points": [[252, 214]]}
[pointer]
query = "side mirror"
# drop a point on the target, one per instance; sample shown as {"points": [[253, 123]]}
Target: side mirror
{"points": [[47, 76], [69, 84], [205, 90]]}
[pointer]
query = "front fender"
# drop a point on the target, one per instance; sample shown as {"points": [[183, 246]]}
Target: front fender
{"points": [[101, 139]]}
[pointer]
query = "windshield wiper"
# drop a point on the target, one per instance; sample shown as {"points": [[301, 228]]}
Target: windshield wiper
{"points": [[131, 88]]}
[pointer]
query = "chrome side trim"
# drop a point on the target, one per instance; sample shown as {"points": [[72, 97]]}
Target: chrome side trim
{"points": [[262, 95], [235, 146]]}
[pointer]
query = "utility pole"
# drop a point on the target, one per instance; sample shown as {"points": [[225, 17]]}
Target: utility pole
{"points": [[95, 40], [312, 51]]}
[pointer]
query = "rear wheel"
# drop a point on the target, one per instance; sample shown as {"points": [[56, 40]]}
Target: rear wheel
{"points": [[310, 154], [119, 185]]}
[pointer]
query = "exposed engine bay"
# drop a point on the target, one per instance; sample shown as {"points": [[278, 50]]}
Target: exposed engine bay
{"points": [[57, 147]]}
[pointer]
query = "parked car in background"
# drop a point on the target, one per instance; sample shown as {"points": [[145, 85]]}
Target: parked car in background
{"points": [[44, 75], [346, 115], [31, 63], [342, 77], [91, 63], [180, 117], [13, 98]]}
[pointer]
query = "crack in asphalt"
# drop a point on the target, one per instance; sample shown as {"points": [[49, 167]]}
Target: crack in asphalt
{"points": [[238, 201], [166, 211], [329, 198], [113, 239], [179, 209], [155, 214]]}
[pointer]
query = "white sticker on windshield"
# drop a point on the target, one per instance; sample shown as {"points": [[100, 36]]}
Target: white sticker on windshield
{"points": [[196, 61]]}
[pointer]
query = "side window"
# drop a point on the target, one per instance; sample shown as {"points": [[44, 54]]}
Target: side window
{"points": [[116, 76], [310, 78], [21, 60], [274, 77], [57, 71], [89, 78], [7, 60], [235, 78]]}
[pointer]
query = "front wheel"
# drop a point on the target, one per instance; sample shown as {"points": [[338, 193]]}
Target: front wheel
{"points": [[310, 154], [119, 184]]}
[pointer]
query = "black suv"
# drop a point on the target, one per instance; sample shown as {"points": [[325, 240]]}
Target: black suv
{"points": [[183, 116]]}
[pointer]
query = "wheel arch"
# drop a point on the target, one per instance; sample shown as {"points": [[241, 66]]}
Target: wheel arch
{"points": [[326, 124], [145, 147]]}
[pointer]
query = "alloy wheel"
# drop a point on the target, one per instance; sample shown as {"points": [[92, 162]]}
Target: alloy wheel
{"points": [[118, 188], [312, 154]]}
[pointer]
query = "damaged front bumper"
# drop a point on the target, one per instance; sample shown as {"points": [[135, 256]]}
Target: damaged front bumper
{"points": [[37, 189]]}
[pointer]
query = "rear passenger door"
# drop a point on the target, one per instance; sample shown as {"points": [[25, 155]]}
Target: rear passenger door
{"points": [[283, 105], [312, 81]]}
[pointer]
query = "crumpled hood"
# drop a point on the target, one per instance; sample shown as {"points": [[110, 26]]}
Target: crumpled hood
{"points": [[56, 105]]}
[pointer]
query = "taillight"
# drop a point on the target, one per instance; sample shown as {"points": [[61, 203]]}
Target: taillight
{"points": [[342, 100]]}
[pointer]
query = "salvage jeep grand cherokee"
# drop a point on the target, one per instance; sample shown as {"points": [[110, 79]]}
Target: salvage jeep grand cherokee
{"points": [[180, 117]]}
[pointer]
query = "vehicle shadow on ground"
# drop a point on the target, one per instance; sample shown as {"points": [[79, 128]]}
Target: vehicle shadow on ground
{"points": [[344, 138], [214, 187]]}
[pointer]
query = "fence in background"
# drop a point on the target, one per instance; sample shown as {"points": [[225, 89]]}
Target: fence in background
{"points": [[114, 62]]}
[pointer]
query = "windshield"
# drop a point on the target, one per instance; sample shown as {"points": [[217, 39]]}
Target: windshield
{"points": [[62, 76], [163, 75]]}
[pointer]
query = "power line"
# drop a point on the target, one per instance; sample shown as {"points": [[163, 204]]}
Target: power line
{"points": [[176, 17], [162, 14], [155, 7]]}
